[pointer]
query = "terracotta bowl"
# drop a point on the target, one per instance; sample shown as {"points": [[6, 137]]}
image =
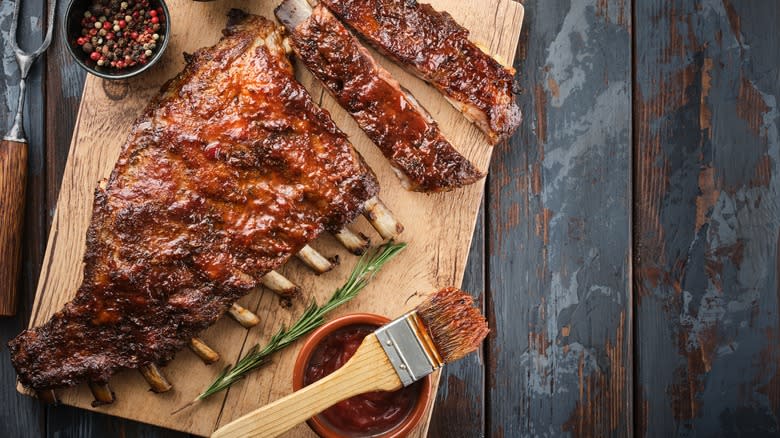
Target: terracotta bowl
{"points": [[322, 427]]}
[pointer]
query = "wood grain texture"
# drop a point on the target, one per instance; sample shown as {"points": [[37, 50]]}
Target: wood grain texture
{"points": [[19, 415], [64, 83], [432, 260], [460, 404], [705, 229], [707, 219], [66, 421], [13, 179], [559, 302]]}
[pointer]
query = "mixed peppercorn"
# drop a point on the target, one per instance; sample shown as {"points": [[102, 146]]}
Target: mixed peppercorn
{"points": [[121, 34]]}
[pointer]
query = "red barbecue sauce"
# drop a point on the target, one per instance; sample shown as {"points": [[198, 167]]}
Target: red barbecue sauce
{"points": [[371, 413]]}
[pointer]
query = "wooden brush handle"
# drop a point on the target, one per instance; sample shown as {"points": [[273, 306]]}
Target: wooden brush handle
{"points": [[368, 370], [13, 179]]}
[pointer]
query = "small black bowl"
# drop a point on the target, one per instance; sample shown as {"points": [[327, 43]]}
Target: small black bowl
{"points": [[72, 30]]}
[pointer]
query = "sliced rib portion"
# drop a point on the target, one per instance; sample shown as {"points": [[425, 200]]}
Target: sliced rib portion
{"points": [[437, 49], [228, 172], [403, 130]]}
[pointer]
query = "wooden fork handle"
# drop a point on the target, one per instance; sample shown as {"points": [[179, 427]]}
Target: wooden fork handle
{"points": [[368, 370], [13, 179]]}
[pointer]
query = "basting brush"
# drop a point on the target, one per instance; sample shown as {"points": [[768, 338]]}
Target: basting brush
{"points": [[441, 330]]}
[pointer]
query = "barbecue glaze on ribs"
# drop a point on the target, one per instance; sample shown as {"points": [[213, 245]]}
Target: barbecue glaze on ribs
{"points": [[433, 46], [403, 130], [230, 170]]}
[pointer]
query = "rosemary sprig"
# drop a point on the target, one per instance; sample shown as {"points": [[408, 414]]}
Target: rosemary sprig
{"points": [[313, 317]]}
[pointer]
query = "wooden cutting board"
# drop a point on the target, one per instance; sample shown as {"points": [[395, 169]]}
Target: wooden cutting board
{"points": [[438, 227]]}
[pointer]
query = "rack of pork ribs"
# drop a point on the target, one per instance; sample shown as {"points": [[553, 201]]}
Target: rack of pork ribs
{"points": [[426, 42], [230, 171]]}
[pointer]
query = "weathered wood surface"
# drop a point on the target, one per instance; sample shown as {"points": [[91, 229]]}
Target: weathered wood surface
{"points": [[708, 218], [558, 231], [705, 154], [438, 246], [459, 408], [20, 416]]}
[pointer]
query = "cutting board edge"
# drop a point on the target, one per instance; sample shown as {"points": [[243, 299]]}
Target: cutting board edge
{"points": [[422, 430]]}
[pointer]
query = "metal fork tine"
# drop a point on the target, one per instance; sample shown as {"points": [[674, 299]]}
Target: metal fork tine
{"points": [[25, 61], [51, 11]]}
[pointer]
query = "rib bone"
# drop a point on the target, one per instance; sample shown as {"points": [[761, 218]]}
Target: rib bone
{"points": [[47, 396], [356, 243], [382, 219], [313, 158], [279, 284], [401, 128], [203, 351], [155, 378], [244, 316], [314, 260], [102, 393]]}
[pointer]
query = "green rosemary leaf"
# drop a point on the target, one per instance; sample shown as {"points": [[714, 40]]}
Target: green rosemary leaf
{"points": [[314, 316]]}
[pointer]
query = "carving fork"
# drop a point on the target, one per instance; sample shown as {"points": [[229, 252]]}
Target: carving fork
{"points": [[13, 172]]}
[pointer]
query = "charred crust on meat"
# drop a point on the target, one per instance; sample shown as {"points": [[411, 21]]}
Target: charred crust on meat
{"points": [[176, 236]]}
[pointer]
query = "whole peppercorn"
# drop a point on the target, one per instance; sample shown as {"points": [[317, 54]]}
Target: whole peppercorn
{"points": [[120, 34]]}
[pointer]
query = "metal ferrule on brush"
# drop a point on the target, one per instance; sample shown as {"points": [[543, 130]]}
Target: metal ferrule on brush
{"points": [[409, 347]]}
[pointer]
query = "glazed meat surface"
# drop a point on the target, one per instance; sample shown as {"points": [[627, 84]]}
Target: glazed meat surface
{"points": [[230, 170], [403, 130], [437, 49]]}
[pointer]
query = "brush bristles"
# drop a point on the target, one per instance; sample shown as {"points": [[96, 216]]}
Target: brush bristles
{"points": [[456, 326]]}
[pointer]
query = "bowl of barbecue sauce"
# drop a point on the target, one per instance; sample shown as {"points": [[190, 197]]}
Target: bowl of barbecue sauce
{"points": [[376, 414]]}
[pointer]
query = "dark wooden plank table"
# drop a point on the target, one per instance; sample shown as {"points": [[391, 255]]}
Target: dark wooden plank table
{"points": [[628, 249]]}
